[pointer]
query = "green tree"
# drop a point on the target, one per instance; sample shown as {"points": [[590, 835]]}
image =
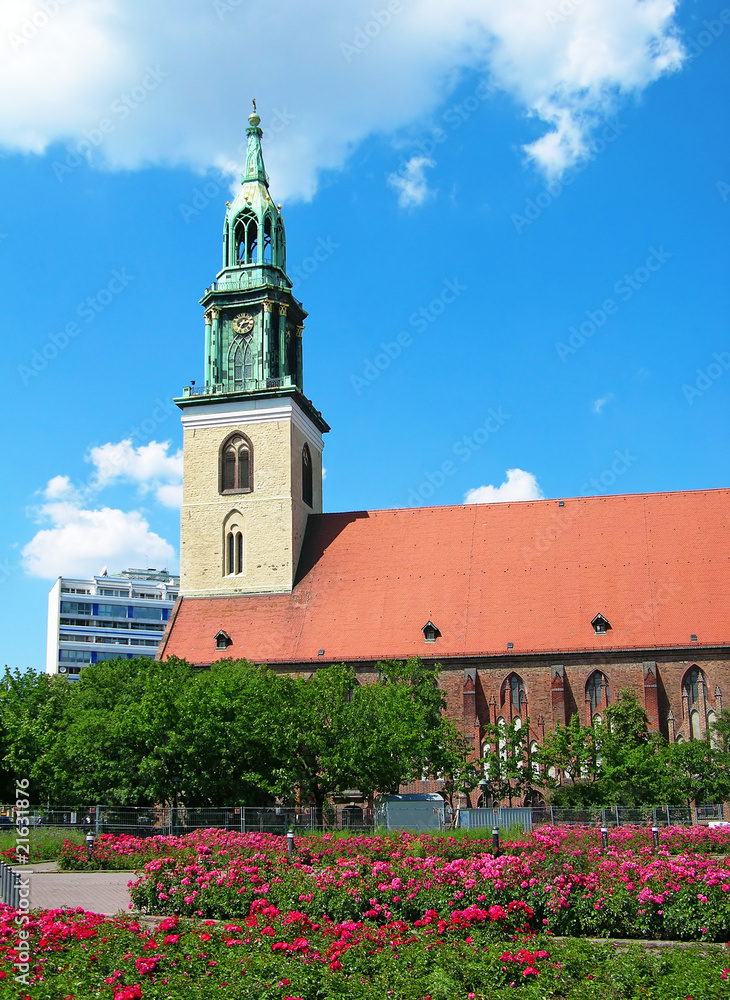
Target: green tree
{"points": [[571, 752], [507, 768], [32, 710]]}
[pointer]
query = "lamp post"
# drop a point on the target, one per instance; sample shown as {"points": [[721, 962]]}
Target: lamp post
{"points": [[89, 845], [290, 842], [483, 785]]}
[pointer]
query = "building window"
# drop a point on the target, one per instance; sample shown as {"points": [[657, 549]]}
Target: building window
{"points": [[430, 632], [514, 695], [153, 614], [246, 239], [112, 611], [597, 693], [233, 555], [691, 685], [600, 625], [307, 476], [236, 465], [75, 608], [223, 640]]}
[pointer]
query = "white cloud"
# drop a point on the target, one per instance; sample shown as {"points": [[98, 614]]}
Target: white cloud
{"points": [[134, 85], [598, 404], [170, 495], [519, 485], [60, 488], [149, 465], [411, 183], [79, 542], [82, 536]]}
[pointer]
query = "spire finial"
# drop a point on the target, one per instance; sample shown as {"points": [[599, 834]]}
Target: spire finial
{"points": [[253, 118]]}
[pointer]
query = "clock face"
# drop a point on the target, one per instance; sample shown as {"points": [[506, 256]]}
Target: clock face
{"points": [[243, 323]]}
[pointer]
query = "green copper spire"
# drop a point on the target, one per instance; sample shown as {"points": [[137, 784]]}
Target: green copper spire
{"points": [[253, 323], [254, 168]]}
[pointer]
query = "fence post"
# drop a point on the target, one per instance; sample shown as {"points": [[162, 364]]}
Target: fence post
{"points": [[552, 817], [98, 818], [669, 818], [618, 821]]}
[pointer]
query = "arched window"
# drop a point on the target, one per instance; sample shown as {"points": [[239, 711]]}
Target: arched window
{"points": [[246, 235], [267, 240], [307, 476], [236, 465], [694, 706], [280, 245], [502, 744], [597, 693], [233, 551], [691, 685], [241, 356], [534, 763], [514, 695]]}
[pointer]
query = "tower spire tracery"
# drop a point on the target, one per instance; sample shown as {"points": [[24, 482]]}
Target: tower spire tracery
{"points": [[254, 323]]}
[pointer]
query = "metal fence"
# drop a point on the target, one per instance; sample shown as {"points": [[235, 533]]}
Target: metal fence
{"points": [[9, 886], [144, 821], [148, 821]]}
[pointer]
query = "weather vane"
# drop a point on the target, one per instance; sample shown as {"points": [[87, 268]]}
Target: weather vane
{"points": [[254, 103]]}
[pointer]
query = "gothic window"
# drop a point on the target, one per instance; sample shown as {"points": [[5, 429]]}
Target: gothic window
{"points": [[267, 240], [307, 476], [691, 685], [280, 245], [242, 362], [534, 763], [514, 695], [236, 465], [246, 239], [233, 551], [597, 692]]}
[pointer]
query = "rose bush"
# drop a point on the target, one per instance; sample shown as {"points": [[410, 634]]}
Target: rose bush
{"points": [[74, 955], [569, 890]]}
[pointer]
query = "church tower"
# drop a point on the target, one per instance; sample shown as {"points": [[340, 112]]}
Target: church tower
{"points": [[252, 440]]}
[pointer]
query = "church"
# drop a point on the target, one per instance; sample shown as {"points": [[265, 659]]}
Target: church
{"points": [[534, 609]]}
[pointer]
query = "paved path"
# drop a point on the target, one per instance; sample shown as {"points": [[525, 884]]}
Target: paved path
{"points": [[100, 892]]}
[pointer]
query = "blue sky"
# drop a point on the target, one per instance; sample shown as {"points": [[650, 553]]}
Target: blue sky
{"points": [[508, 224]]}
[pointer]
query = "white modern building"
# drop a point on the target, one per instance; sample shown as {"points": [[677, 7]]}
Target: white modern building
{"points": [[107, 617]]}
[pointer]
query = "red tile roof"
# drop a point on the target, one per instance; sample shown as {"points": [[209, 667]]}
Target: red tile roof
{"points": [[535, 574]]}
